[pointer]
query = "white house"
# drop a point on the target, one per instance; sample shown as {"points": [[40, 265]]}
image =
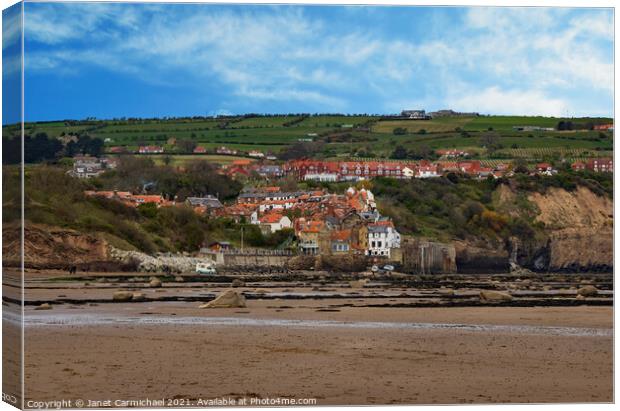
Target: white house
{"points": [[325, 177], [382, 237], [274, 221], [427, 172], [408, 172], [257, 154]]}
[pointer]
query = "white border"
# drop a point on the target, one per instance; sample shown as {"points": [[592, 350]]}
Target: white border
{"points": [[464, 3]]}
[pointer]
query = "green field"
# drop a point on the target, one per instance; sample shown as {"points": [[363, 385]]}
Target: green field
{"points": [[182, 159], [344, 136]]}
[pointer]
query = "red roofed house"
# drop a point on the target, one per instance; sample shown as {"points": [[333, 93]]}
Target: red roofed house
{"points": [[340, 241], [578, 166], [308, 232], [601, 165], [274, 222], [200, 150]]}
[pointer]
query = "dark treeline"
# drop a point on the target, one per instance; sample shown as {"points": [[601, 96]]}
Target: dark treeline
{"points": [[197, 178], [42, 148]]}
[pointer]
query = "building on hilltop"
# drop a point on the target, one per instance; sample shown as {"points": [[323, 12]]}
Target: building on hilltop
{"points": [[415, 114]]}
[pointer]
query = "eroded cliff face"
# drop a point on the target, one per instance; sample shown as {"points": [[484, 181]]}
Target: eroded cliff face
{"points": [[579, 225], [51, 246], [577, 233]]}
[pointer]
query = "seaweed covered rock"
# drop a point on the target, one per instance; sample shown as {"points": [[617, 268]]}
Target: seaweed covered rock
{"points": [[494, 296], [300, 262], [343, 263]]}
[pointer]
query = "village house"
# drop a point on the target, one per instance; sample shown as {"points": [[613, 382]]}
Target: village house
{"points": [[307, 233], [600, 165], [272, 222], [452, 153], [545, 169], [88, 167], [226, 151], [427, 171], [578, 166], [604, 127], [322, 177], [150, 150], [239, 213], [206, 204], [269, 170], [382, 238], [340, 241], [200, 150], [129, 199], [256, 154]]}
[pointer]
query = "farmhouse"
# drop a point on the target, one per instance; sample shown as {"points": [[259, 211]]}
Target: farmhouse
{"points": [[415, 114], [226, 151], [150, 150], [256, 154]]}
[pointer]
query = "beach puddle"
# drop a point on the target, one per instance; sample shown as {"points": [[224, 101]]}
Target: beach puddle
{"points": [[66, 319]]}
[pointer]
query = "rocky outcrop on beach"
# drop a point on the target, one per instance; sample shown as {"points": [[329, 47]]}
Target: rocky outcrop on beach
{"points": [[174, 263]]}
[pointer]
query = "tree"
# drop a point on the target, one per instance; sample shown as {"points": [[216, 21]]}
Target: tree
{"points": [[520, 166], [301, 150], [399, 153], [490, 140], [186, 146]]}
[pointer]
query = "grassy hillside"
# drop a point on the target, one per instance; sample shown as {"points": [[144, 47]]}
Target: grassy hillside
{"points": [[55, 199], [347, 136]]}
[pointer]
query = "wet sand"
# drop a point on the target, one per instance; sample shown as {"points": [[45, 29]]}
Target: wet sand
{"points": [[362, 356]]}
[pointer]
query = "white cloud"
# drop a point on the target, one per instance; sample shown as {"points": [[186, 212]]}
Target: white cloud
{"points": [[498, 101], [11, 27], [523, 59]]}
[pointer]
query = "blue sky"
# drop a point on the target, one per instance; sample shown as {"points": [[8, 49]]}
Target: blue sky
{"points": [[113, 60]]}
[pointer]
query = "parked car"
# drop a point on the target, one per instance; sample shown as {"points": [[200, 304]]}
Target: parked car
{"points": [[205, 268], [388, 267], [374, 269]]}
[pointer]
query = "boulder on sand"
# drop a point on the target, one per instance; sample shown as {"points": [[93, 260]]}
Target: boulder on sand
{"points": [[44, 306], [238, 283], [122, 296], [138, 297], [155, 283], [358, 283], [588, 291], [494, 296], [228, 299]]}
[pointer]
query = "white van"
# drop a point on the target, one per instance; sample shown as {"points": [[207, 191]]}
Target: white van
{"points": [[205, 268]]}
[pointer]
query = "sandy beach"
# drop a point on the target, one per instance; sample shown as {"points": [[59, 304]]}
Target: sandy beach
{"points": [[353, 356]]}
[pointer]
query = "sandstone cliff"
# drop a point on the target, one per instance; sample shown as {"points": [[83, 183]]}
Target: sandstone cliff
{"points": [[579, 225]]}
